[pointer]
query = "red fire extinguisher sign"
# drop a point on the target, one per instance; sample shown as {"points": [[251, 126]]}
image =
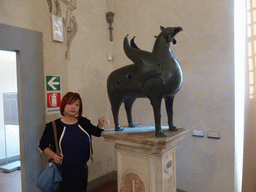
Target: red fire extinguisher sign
{"points": [[53, 100]]}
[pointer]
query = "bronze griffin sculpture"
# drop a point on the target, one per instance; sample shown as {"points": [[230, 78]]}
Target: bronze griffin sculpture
{"points": [[153, 75]]}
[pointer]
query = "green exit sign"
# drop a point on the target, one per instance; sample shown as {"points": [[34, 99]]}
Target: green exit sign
{"points": [[52, 83]]}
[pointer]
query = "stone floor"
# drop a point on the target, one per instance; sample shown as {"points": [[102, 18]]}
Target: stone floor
{"points": [[112, 187], [108, 187], [11, 182]]}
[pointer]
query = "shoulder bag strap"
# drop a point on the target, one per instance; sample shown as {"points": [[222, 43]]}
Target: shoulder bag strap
{"points": [[55, 138]]}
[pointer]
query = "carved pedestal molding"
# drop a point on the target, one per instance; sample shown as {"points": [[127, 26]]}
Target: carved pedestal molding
{"points": [[64, 9], [145, 163]]}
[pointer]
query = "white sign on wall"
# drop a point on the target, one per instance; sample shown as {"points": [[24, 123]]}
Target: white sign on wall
{"points": [[57, 28]]}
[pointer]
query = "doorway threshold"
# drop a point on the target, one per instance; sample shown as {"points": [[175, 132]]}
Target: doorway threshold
{"points": [[10, 167]]}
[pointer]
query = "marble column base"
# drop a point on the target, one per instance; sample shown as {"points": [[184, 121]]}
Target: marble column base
{"points": [[145, 162]]}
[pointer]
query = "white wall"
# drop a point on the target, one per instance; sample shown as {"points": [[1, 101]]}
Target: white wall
{"points": [[206, 100], [88, 70]]}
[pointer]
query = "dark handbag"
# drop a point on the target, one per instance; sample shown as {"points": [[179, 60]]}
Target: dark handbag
{"points": [[49, 176]]}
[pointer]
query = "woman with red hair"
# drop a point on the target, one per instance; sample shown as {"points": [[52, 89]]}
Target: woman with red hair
{"points": [[74, 138]]}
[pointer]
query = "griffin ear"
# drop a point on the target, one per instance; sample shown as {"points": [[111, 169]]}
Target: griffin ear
{"points": [[162, 28]]}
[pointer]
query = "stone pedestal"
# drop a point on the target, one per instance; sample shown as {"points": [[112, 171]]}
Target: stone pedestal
{"points": [[145, 163]]}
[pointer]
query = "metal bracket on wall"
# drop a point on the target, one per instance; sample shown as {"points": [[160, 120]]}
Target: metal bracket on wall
{"points": [[110, 18]]}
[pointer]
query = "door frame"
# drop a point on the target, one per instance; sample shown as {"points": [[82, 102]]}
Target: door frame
{"points": [[31, 106]]}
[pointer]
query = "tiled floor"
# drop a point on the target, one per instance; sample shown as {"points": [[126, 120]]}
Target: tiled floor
{"points": [[10, 182]]}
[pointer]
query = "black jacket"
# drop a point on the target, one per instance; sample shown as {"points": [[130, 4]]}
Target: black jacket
{"points": [[47, 140]]}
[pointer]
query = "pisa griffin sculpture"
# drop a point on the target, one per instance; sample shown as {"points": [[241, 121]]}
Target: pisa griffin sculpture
{"points": [[155, 76]]}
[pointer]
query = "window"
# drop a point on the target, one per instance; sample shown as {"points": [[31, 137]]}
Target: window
{"points": [[251, 38]]}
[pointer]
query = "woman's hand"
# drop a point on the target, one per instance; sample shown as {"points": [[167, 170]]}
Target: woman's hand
{"points": [[57, 159], [103, 121]]}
